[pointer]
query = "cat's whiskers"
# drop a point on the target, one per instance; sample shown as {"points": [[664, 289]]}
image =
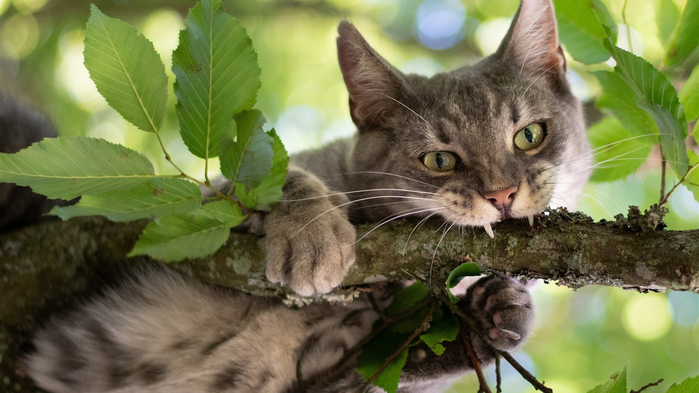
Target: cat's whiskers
{"points": [[415, 228], [357, 192], [434, 255], [400, 215], [356, 201], [389, 174]]}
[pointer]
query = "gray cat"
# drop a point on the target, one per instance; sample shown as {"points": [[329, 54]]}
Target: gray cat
{"points": [[501, 139]]}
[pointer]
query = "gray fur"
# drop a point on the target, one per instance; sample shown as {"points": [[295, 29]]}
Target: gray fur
{"points": [[158, 332]]}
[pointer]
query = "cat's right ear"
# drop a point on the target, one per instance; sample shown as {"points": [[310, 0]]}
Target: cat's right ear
{"points": [[373, 84]]}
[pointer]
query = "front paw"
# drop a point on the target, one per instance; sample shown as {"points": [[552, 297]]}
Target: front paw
{"points": [[503, 308], [310, 241]]}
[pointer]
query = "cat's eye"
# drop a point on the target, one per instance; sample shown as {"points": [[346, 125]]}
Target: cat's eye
{"points": [[439, 161], [529, 137]]}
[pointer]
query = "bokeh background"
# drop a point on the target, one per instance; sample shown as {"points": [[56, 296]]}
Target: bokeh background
{"points": [[581, 337]]}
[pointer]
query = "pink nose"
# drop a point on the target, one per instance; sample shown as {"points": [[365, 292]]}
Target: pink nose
{"points": [[501, 197]]}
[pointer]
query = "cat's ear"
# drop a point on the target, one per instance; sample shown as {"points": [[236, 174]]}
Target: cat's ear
{"points": [[373, 84], [532, 41]]}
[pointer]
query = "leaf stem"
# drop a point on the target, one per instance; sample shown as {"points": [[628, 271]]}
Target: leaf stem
{"points": [[206, 184], [498, 375], [682, 180], [523, 372]]}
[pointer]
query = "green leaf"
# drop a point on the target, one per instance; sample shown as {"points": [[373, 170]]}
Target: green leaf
{"points": [[69, 167], [179, 236], [376, 352], [692, 181], [270, 191], [580, 31], [152, 199], [657, 97], [618, 153], [689, 385], [689, 95], [685, 37], [619, 98], [456, 275], [217, 77], [226, 211], [406, 298], [616, 384], [667, 19], [126, 70], [444, 329], [249, 160]]}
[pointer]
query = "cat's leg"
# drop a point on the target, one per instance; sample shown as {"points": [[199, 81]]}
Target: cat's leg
{"points": [[310, 241]]}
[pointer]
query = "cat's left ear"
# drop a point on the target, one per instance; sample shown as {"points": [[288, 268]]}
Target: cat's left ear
{"points": [[532, 41]]}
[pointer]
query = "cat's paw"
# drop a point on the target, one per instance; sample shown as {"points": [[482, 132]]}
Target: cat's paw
{"points": [[310, 241], [503, 308]]}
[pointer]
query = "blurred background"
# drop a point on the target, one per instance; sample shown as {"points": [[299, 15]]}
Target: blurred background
{"points": [[581, 336]]}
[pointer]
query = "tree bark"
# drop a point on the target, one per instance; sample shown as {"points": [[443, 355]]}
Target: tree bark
{"points": [[43, 266]]}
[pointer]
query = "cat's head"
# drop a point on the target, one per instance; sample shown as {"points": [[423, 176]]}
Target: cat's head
{"points": [[503, 138]]}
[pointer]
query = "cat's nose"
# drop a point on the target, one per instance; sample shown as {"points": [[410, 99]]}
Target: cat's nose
{"points": [[501, 198]]}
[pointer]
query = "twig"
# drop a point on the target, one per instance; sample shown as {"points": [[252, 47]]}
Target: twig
{"points": [[498, 375], [405, 345], [483, 385], [656, 383], [662, 175], [682, 180], [523, 372], [469, 320], [628, 28]]}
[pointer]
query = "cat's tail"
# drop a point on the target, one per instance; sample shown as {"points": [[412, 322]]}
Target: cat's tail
{"points": [[19, 128]]}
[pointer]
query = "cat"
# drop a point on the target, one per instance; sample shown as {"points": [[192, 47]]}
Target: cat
{"points": [[501, 139], [19, 128]]}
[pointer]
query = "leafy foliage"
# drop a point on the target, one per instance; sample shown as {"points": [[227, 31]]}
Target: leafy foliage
{"points": [[616, 384], [580, 31], [217, 77], [685, 36], [456, 275]]}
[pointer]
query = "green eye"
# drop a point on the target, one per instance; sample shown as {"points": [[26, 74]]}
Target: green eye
{"points": [[529, 137], [439, 161]]}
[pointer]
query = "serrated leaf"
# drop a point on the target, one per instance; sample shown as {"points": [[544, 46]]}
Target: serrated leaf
{"points": [[689, 95], [152, 199], [228, 212], [69, 167], [249, 159], [658, 97], [456, 275], [692, 181], [444, 329], [689, 385], [617, 153], [580, 31], [616, 384], [618, 98], [270, 191], [406, 298], [126, 70], [376, 352], [685, 37], [179, 236], [217, 76]]}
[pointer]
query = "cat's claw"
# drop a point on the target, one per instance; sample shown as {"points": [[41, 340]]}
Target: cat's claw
{"points": [[489, 230], [531, 220]]}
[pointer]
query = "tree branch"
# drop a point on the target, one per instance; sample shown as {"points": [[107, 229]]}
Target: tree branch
{"points": [[44, 265]]}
